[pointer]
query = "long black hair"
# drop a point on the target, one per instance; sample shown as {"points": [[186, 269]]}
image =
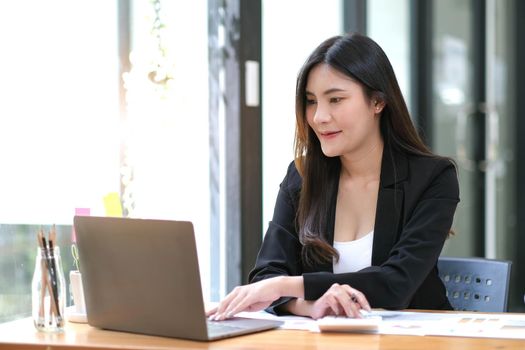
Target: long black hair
{"points": [[362, 59]]}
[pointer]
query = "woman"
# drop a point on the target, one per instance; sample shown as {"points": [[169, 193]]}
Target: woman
{"points": [[364, 210]]}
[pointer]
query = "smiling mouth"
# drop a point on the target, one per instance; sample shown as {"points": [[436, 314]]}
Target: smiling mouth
{"points": [[330, 133]]}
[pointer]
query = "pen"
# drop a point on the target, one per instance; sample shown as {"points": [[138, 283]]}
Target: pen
{"points": [[54, 276], [48, 281], [43, 281]]}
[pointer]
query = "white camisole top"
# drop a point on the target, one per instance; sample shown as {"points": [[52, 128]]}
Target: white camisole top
{"points": [[354, 255]]}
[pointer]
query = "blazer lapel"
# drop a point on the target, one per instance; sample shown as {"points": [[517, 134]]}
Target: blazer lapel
{"points": [[394, 170]]}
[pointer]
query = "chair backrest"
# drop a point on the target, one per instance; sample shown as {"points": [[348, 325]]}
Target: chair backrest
{"points": [[476, 284]]}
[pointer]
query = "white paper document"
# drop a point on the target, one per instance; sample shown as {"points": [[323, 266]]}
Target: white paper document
{"points": [[484, 325]]}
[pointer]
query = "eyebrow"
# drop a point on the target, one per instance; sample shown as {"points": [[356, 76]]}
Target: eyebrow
{"points": [[326, 92]]}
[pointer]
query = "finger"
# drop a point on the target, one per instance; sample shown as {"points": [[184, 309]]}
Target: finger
{"points": [[237, 305], [348, 299], [249, 300], [224, 304], [322, 311], [349, 307], [361, 300], [334, 287], [320, 308], [331, 300], [358, 297], [220, 309], [334, 304], [352, 307], [211, 311], [240, 302]]}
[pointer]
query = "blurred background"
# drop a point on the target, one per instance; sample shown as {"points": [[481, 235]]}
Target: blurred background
{"points": [[184, 110]]}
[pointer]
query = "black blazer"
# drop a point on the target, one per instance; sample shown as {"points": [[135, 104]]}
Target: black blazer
{"points": [[415, 207]]}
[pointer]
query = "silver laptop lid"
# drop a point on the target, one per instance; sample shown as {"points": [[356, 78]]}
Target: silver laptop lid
{"points": [[141, 276]]}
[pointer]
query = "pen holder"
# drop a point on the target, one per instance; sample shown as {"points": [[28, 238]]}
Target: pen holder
{"points": [[48, 291]]}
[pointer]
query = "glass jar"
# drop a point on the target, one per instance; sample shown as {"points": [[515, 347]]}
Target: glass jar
{"points": [[48, 291]]}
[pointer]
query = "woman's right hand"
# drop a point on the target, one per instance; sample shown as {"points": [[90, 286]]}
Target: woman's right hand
{"points": [[251, 297], [339, 300]]}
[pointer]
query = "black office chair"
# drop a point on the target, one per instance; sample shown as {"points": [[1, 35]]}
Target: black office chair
{"points": [[476, 284]]}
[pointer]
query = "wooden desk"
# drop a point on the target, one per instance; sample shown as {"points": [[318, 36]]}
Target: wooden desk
{"points": [[21, 334]]}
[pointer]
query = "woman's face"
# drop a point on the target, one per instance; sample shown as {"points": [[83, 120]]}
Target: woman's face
{"points": [[344, 120]]}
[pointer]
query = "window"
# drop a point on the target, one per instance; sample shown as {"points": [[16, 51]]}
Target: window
{"points": [[59, 121], [62, 127], [168, 123]]}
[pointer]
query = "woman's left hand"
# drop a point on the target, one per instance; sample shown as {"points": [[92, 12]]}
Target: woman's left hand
{"points": [[251, 297], [339, 299]]}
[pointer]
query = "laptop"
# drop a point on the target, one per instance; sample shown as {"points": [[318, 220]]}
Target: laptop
{"points": [[142, 276]]}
